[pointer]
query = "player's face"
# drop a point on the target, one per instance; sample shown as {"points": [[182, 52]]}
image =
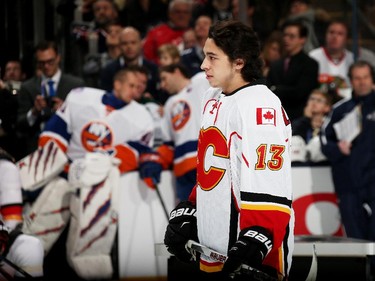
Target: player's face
{"points": [[127, 89], [167, 82], [142, 85], [220, 72], [362, 82]]}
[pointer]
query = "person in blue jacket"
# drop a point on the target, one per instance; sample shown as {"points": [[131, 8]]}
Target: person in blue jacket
{"points": [[352, 161]]}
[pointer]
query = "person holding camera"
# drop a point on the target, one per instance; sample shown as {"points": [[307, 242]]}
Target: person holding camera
{"points": [[40, 96]]}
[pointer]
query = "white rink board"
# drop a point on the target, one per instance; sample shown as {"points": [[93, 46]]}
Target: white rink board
{"points": [[314, 201], [142, 224]]}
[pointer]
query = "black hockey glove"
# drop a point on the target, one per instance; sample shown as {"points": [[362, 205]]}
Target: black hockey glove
{"points": [[182, 227], [252, 246], [4, 237]]}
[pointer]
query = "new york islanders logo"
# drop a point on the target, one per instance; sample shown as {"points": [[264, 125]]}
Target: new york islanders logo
{"points": [[180, 114], [96, 134]]}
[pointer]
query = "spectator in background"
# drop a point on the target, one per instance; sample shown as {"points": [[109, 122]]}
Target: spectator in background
{"points": [[192, 58], [316, 21], [352, 159], [217, 10], [131, 54], [272, 50], [13, 76], [144, 14], [333, 58], [168, 54], [307, 127], [9, 89], [188, 39], [293, 77], [95, 63], [179, 19], [41, 96], [90, 37]]}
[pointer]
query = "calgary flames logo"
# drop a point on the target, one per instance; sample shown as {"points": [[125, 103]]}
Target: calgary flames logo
{"points": [[180, 114], [96, 134]]}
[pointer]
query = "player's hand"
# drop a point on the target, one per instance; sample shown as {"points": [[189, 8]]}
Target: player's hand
{"points": [[150, 168], [4, 237], [182, 226], [252, 246]]}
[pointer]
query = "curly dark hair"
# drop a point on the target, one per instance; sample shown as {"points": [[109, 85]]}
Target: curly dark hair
{"points": [[239, 41]]}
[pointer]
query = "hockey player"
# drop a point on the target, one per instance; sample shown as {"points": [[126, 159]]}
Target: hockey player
{"points": [[97, 132], [23, 253], [180, 124], [241, 205]]}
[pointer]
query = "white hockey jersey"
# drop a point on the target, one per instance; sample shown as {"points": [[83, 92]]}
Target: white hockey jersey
{"points": [[181, 123], [92, 119], [244, 173]]}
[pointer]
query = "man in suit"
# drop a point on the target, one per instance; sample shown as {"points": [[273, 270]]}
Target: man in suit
{"points": [[41, 95], [293, 77]]}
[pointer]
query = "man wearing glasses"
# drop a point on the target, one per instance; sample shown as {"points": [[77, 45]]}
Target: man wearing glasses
{"points": [[43, 94]]}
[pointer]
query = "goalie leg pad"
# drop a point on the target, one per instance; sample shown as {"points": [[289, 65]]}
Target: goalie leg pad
{"points": [[41, 166], [93, 227], [49, 215]]}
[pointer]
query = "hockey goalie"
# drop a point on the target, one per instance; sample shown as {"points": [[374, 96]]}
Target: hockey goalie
{"points": [[83, 150]]}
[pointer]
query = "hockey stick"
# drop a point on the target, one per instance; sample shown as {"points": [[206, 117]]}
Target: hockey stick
{"points": [[193, 247], [161, 199], [16, 267], [314, 267]]}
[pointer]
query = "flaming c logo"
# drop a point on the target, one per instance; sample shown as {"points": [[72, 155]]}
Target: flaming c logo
{"points": [[180, 114], [96, 134]]}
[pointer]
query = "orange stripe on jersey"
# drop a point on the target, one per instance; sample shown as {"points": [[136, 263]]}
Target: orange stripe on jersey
{"points": [[210, 267], [266, 208], [128, 158], [12, 212], [44, 139], [185, 166], [166, 153]]}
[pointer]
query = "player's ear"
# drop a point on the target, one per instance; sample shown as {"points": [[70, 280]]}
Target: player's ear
{"points": [[239, 63]]}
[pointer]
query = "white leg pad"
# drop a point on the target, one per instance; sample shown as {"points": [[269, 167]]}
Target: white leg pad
{"points": [[49, 214], [93, 227]]}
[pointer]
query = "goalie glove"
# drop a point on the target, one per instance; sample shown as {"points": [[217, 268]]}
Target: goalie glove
{"points": [[150, 168], [252, 246], [182, 226]]}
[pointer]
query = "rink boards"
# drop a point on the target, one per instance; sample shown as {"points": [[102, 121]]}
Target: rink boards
{"points": [[142, 221]]}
